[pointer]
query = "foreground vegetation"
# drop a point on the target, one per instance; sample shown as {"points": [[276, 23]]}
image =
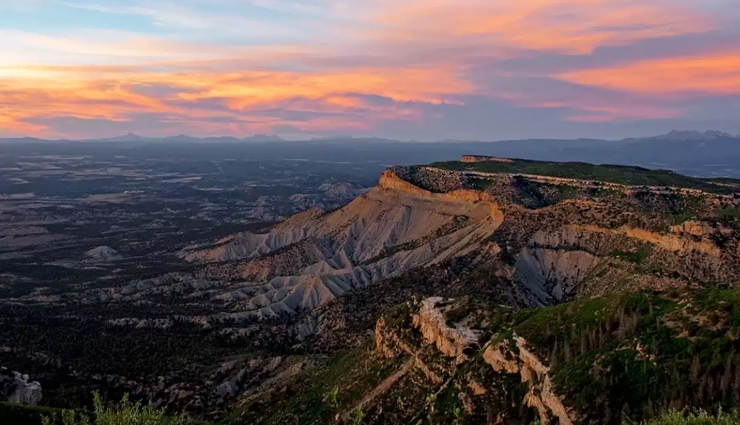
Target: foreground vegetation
{"points": [[674, 417], [620, 359], [124, 412]]}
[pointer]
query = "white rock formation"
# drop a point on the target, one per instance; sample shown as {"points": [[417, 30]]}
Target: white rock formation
{"points": [[17, 389], [103, 254], [432, 323]]}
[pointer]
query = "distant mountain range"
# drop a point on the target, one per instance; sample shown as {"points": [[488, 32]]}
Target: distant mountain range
{"points": [[710, 153], [673, 136], [135, 138], [190, 139], [690, 152]]}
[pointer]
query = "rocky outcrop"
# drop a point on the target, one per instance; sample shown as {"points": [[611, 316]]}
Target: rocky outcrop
{"points": [[390, 180], [700, 229], [390, 344], [17, 388], [452, 340], [541, 396]]}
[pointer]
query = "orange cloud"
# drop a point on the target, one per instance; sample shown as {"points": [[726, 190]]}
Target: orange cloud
{"points": [[716, 74], [224, 101], [248, 89]]}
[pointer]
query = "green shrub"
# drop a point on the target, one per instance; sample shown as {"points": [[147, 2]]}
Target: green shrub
{"points": [[124, 413], [358, 416], [674, 417]]}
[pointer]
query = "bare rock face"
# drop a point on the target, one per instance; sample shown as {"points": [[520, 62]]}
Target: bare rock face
{"points": [[694, 228], [432, 322], [16, 388]]}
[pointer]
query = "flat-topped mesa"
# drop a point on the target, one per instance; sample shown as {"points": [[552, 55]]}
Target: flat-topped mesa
{"points": [[483, 158]]}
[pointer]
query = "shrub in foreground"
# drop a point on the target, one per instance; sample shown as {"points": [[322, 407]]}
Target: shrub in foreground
{"points": [[673, 417], [123, 413]]}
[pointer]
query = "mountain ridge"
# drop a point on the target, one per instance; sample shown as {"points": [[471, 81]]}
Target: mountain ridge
{"points": [[708, 154], [678, 135]]}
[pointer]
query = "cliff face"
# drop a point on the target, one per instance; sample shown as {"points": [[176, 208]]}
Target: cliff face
{"points": [[441, 185]]}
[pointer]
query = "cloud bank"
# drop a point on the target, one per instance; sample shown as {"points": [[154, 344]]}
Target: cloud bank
{"points": [[410, 69]]}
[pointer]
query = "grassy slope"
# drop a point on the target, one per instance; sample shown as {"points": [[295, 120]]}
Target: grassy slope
{"points": [[577, 170]]}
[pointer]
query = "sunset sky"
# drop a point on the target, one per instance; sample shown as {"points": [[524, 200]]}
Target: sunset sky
{"points": [[406, 69]]}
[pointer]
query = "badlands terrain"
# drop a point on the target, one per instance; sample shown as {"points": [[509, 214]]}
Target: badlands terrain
{"points": [[488, 290]]}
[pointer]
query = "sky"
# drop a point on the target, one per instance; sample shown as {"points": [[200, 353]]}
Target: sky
{"points": [[404, 69]]}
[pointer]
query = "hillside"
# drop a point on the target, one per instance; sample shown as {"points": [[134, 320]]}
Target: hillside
{"points": [[602, 360]]}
